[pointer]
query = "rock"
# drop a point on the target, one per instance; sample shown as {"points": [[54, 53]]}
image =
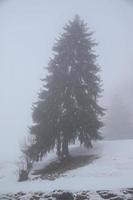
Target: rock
{"points": [[56, 195], [35, 197], [81, 197], [130, 191], [47, 196], [38, 193], [4, 198], [117, 198], [65, 196], [106, 195]]}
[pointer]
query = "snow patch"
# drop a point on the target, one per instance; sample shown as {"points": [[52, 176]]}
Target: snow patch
{"points": [[113, 170]]}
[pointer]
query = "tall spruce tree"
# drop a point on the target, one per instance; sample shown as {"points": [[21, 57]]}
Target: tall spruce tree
{"points": [[67, 107]]}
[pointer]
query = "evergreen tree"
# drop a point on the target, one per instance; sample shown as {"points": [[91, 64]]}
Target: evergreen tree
{"points": [[67, 107]]}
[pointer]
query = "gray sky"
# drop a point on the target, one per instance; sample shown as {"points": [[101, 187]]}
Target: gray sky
{"points": [[28, 29]]}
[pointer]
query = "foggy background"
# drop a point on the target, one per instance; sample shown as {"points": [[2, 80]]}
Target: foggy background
{"points": [[28, 29]]}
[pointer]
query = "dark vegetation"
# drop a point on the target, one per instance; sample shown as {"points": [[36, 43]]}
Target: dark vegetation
{"points": [[67, 109]]}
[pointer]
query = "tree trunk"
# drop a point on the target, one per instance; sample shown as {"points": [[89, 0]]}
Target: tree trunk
{"points": [[65, 151], [59, 147]]}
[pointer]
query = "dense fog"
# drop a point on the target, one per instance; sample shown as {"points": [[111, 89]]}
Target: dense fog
{"points": [[28, 32]]}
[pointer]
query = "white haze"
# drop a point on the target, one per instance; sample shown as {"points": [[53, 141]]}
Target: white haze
{"points": [[28, 29]]}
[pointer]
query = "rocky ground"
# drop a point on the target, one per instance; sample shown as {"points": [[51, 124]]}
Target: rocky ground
{"points": [[123, 194]]}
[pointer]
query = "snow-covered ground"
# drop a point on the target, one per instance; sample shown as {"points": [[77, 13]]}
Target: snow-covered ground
{"points": [[112, 170]]}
